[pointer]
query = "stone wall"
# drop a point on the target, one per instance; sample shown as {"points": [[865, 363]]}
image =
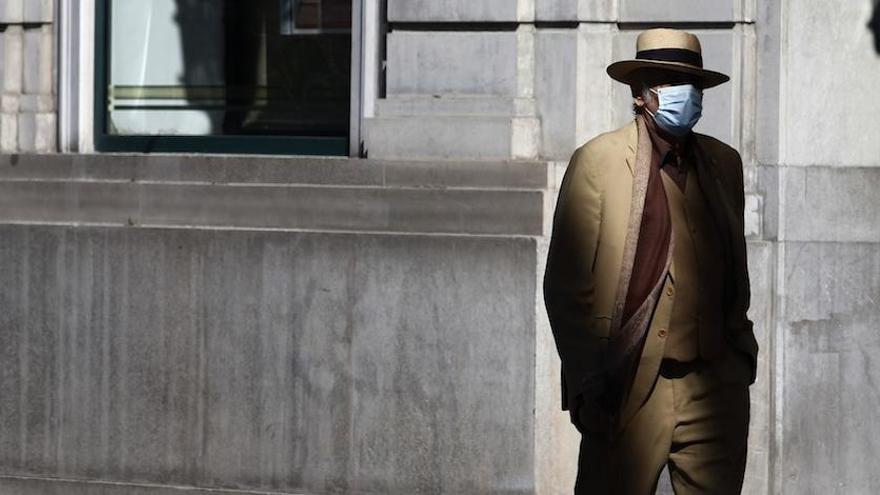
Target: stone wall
{"points": [[820, 173], [270, 324]]}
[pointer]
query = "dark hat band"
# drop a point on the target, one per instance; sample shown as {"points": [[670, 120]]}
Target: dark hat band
{"points": [[672, 55]]}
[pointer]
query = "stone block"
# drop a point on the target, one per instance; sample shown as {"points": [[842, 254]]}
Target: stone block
{"points": [[572, 90], [460, 10], [12, 103], [721, 52], [38, 11], [8, 132], [556, 90], [495, 106], [825, 74], [13, 63], [27, 131], [768, 90], [2, 60], [12, 11], [471, 137], [753, 216], [649, 11], [829, 204], [45, 133], [33, 61], [476, 63], [580, 10], [828, 397]]}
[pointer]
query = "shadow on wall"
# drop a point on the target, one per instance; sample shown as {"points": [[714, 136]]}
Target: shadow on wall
{"points": [[874, 25]]}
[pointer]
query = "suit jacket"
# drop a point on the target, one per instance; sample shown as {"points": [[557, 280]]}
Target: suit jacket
{"points": [[586, 253]]}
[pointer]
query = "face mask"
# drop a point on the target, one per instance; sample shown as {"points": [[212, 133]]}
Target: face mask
{"points": [[680, 108]]}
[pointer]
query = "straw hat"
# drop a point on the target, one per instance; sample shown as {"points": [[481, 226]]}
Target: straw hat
{"points": [[667, 49]]}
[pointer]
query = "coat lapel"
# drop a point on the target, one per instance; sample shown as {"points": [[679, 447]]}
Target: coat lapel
{"points": [[631, 143]]}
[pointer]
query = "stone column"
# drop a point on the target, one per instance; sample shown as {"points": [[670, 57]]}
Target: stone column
{"points": [[27, 103]]}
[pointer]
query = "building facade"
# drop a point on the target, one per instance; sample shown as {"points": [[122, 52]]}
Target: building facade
{"points": [[297, 247]]}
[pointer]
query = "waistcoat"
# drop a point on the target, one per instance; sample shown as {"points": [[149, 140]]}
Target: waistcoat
{"points": [[697, 322]]}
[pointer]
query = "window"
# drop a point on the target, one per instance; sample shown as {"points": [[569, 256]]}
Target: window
{"points": [[256, 76]]}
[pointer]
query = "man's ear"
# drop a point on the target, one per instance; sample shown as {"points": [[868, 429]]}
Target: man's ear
{"points": [[639, 101]]}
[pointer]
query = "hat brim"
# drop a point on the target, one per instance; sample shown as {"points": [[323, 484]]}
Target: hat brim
{"points": [[625, 70]]}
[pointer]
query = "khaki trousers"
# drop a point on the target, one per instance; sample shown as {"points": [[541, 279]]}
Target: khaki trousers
{"points": [[694, 422]]}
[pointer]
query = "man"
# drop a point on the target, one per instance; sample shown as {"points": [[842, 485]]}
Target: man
{"points": [[647, 288]]}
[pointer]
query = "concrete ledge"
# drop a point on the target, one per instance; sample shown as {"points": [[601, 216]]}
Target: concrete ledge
{"points": [[501, 198], [274, 207], [291, 170]]}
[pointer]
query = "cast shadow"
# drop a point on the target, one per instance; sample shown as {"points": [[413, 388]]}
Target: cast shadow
{"points": [[874, 25]]}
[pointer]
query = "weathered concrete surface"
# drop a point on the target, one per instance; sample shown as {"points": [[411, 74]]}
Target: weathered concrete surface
{"points": [[581, 10], [450, 137], [573, 92], [505, 198], [457, 65], [42, 486], [829, 346], [27, 76], [257, 354], [454, 62], [830, 62], [830, 204], [278, 170], [680, 10], [283, 361], [460, 10], [762, 278]]}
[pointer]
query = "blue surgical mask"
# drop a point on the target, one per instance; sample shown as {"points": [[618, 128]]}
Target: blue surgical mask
{"points": [[680, 108]]}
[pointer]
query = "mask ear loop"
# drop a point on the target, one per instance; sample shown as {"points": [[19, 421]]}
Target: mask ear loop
{"points": [[658, 101]]}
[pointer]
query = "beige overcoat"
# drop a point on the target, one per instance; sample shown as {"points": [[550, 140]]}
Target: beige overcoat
{"points": [[587, 249]]}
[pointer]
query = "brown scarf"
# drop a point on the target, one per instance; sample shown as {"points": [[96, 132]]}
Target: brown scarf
{"points": [[634, 303]]}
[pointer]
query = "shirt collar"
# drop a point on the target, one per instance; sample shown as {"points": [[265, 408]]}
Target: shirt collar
{"points": [[663, 146]]}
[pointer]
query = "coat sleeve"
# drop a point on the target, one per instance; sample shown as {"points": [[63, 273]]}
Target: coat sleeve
{"points": [[739, 324], [569, 287]]}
